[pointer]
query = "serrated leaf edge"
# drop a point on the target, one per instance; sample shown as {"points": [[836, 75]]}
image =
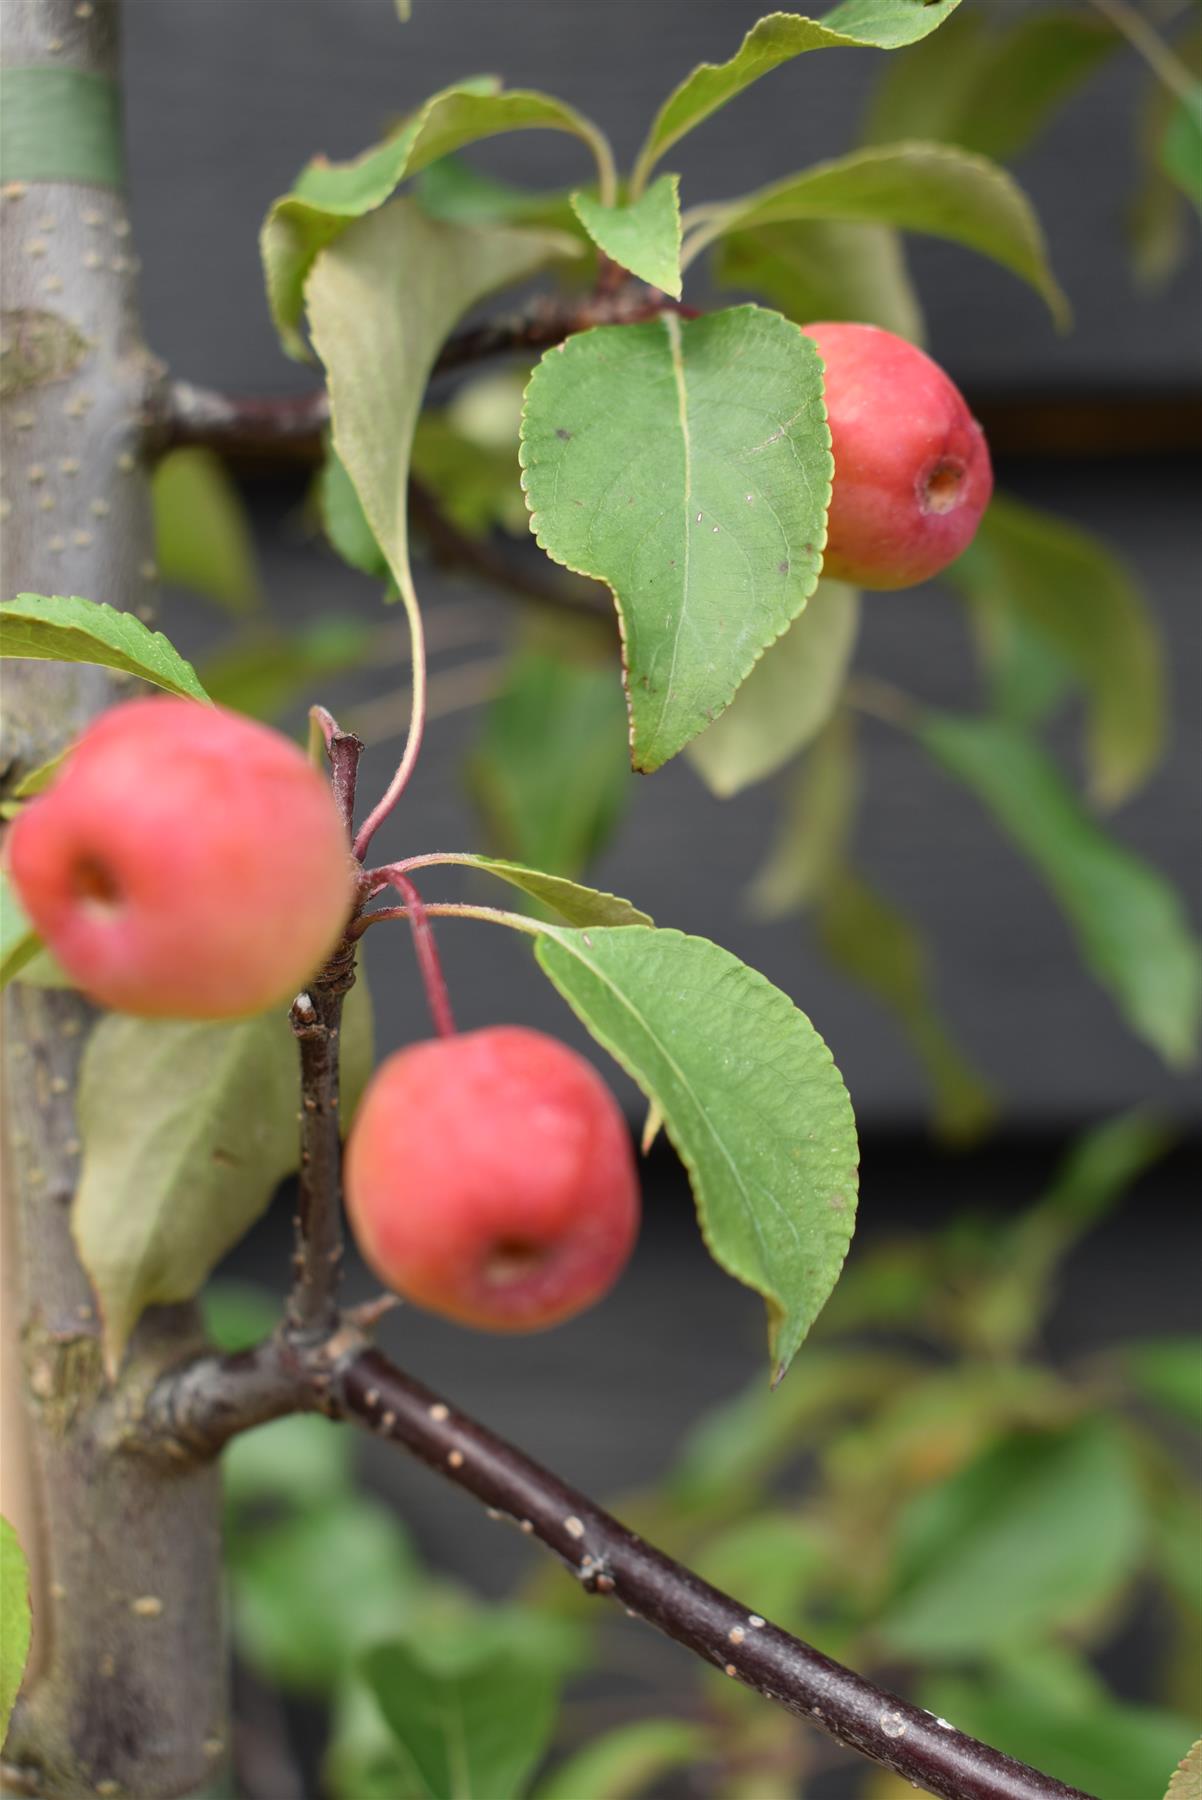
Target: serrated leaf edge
{"points": [[115, 612], [777, 1311], [674, 292], [645, 768]]}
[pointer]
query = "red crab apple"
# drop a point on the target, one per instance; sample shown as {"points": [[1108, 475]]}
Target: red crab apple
{"points": [[187, 863], [912, 471], [490, 1178]]}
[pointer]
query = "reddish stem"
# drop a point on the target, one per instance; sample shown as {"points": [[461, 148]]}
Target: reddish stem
{"points": [[428, 961], [343, 750]]}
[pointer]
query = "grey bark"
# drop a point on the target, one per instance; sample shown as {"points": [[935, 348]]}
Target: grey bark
{"points": [[129, 1691]]}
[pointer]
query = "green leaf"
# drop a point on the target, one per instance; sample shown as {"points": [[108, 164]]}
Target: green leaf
{"points": [[19, 942], [1168, 1371], [825, 269], [343, 518], [312, 1593], [238, 1314], [1175, 1529], [729, 1454], [932, 188], [82, 631], [574, 903], [1186, 1781], [16, 1621], [879, 24], [1181, 146], [815, 828], [266, 671], [772, 1561], [381, 300], [875, 944], [293, 1465], [327, 196], [688, 465], [1100, 1745], [452, 188], [751, 1100], [187, 1131], [988, 85], [1093, 1177], [628, 1761], [1097, 1172], [476, 485], [202, 534], [1130, 924], [643, 236], [1076, 594], [475, 1731], [788, 697], [363, 1760], [1036, 1534], [551, 770], [41, 778], [1158, 221]]}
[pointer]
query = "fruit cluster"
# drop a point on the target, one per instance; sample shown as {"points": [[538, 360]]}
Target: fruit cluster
{"points": [[189, 863]]}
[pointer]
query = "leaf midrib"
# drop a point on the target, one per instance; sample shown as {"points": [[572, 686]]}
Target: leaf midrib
{"points": [[675, 351], [628, 1005]]}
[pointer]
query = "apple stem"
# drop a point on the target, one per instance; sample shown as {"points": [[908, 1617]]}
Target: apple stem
{"points": [[428, 960]]}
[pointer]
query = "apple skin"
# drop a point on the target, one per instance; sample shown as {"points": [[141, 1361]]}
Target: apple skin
{"points": [[490, 1179], [912, 469], [187, 863]]}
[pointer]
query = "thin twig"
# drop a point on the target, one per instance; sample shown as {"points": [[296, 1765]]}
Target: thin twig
{"points": [[361, 1385], [425, 947]]}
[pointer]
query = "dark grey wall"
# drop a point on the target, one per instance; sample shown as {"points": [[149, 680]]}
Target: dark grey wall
{"points": [[227, 99]]}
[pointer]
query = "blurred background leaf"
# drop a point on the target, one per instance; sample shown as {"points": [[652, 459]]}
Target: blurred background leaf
{"points": [[550, 772], [1039, 1532], [202, 534]]}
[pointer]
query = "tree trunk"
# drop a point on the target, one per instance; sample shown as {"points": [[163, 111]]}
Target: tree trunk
{"points": [[127, 1690]]}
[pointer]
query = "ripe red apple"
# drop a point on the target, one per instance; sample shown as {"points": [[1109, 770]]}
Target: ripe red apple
{"points": [[912, 470], [188, 863], [490, 1178]]}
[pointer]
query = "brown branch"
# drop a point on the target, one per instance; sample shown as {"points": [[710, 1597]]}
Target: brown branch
{"points": [[202, 1408], [321, 1360], [252, 427], [317, 1262]]}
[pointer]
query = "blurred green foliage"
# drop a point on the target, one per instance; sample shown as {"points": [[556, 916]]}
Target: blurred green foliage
{"points": [[924, 1497]]}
